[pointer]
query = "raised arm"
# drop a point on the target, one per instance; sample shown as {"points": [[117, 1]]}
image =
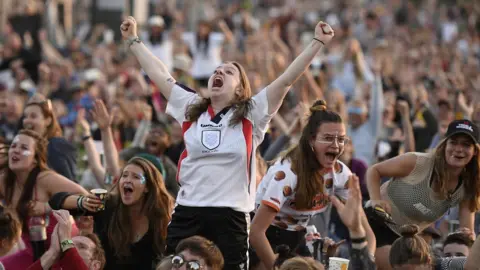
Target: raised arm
{"points": [[54, 183], [104, 120], [277, 90], [155, 69], [399, 166], [94, 162]]}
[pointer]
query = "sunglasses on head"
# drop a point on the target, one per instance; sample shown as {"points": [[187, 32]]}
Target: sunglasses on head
{"points": [[178, 261]]}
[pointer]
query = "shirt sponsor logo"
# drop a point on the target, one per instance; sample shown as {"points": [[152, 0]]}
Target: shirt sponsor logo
{"points": [[210, 125]]}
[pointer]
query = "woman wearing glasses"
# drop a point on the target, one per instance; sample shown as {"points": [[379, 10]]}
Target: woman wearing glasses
{"points": [[38, 116], [299, 185]]}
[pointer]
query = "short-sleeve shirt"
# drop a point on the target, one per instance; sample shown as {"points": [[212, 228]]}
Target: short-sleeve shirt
{"points": [[217, 167], [277, 191]]}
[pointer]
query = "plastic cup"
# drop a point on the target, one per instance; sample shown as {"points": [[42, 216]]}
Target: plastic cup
{"points": [[101, 194], [336, 263]]}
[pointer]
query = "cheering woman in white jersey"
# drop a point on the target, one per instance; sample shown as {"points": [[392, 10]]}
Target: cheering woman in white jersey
{"points": [[424, 186], [221, 130], [298, 186]]}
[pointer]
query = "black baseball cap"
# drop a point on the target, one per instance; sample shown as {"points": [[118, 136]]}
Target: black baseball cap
{"points": [[463, 127]]}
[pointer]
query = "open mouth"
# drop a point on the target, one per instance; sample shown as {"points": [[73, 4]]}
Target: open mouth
{"points": [[127, 189], [331, 156], [217, 82], [458, 157], [15, 158]]}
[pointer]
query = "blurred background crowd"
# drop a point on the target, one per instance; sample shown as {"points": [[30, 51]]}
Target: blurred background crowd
{"points": [[426, 51]]}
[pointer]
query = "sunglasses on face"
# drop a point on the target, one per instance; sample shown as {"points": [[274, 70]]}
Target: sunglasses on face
{"points": [[178, 261]]}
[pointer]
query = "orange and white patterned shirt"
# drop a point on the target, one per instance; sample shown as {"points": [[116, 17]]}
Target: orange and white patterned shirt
{"points": [[277, 191]]}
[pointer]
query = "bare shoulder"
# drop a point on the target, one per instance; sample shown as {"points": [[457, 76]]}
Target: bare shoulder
{"points": [[50, 177]]}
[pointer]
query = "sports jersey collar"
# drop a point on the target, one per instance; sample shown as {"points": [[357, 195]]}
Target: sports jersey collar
{"points": [[218, 117]]}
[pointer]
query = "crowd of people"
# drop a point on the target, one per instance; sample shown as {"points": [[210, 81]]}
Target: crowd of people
{"points": [[354, 136]]}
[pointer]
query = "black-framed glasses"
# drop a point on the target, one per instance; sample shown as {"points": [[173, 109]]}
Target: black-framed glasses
{"points": [[178, 261]]}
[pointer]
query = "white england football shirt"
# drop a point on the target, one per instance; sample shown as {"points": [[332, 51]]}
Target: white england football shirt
{"points": [[217, 167], [277, 191]]}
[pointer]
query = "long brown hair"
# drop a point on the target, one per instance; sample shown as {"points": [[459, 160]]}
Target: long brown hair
{"points": [[470, 176], [410, 248], [304, 161], [54, 129], [242, 104], [157, 207], [10, 178]]}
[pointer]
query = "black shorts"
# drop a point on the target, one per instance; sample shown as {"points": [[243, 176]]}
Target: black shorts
{"points": [[277, 236], [226, 227], [385, 236]]}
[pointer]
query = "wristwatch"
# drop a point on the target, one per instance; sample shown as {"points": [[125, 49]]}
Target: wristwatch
{"points": [[66, 244]]}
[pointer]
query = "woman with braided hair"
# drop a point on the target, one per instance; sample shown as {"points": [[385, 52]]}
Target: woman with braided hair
{"points": [[299, 186]]}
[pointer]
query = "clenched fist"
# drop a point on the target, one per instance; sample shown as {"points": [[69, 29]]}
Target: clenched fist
{"points": [[129, 28], [324, 32]]}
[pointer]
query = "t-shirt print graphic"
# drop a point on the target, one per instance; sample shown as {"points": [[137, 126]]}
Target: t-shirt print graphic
{"points": [[211, 139]]}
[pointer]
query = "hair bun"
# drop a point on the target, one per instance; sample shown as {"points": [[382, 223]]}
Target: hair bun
{"points": [[319, 105], [283, 251], [409, 230]]}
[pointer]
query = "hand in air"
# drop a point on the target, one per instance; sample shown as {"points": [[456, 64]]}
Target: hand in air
{"points": [[129, 28], [351, 212], [101, 115], [324, 32]]}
